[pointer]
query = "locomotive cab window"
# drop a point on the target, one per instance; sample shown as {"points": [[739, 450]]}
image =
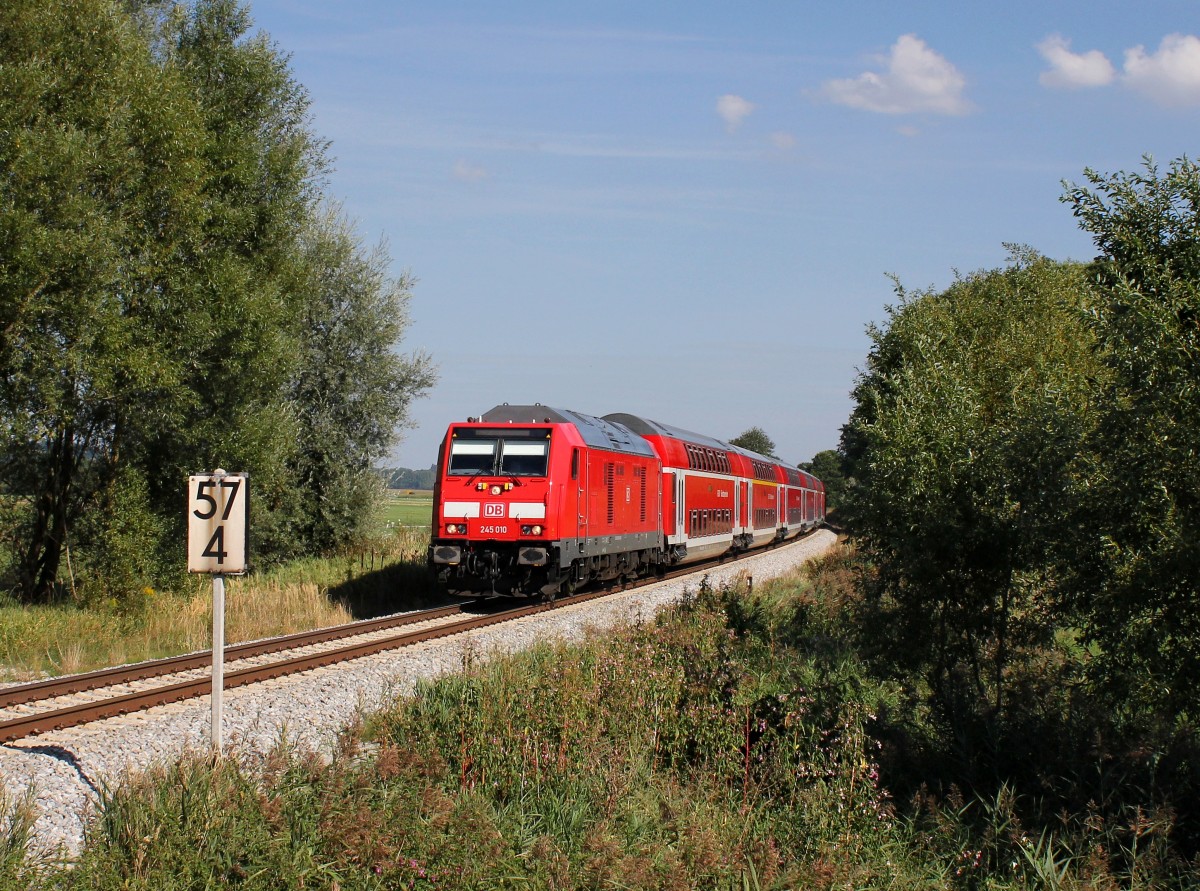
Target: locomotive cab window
{"points": [[471, 456], [499, 453], [524, 458]]}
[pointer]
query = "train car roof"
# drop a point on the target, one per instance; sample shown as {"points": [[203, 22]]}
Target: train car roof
{"points": [[652, 428], [598, 433], [758, 456], [646, 427]]}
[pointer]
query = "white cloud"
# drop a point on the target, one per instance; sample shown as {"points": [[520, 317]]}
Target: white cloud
{"points": [[1170, 76], [469, 173], [733, 110], [1071, 70], [783, 141], [917, 79]]}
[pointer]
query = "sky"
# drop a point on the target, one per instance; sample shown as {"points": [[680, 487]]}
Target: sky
{"points": [[691, 211]]}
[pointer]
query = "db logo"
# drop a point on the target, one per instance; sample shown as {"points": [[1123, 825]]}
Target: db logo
{"points": [[493, 510]]}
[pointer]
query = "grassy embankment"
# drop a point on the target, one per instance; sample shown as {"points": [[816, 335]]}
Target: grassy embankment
{"points": [[383, 575], [729, 745]]}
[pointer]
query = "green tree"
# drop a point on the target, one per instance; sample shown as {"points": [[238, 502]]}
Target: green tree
{"points": [[352, 390], [968, 419], [756, 440], [262, 166], [165, 285], [1140, 521], [827, 466], [100, 196]]}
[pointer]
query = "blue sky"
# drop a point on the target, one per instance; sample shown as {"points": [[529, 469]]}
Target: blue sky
{"points": [[690, 211]]}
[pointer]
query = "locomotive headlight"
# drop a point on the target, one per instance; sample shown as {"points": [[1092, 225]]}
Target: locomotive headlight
{"points": [[531, 530], [456, 528], [495, 490]]}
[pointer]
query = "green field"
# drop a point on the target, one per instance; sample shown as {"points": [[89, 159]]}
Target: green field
{"points": [[407, 507]]}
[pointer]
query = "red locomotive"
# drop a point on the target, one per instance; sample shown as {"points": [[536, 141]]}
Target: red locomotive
{"points": [[536, 500]]}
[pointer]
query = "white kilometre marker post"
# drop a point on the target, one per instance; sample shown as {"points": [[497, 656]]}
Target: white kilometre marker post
{"points": [[218, 666], [218, 514]]}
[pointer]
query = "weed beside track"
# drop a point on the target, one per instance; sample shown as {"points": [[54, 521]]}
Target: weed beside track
{"points": [[733, 743]]}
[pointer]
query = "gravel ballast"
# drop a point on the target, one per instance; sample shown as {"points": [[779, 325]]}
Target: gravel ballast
{"points": [[65, 770]]}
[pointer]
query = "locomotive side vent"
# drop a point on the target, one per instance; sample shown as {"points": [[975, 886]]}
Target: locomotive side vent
{"points": [[610, 482]]}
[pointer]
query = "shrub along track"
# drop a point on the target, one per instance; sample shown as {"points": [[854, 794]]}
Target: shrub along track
{"points": [[29, 709]]}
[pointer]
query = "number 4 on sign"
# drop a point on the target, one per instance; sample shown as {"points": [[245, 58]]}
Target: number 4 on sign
{"points": [[216, 546], [217, 511]]}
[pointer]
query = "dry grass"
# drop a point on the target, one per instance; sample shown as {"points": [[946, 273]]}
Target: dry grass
{"points": [[254, 608], [40, 641]]}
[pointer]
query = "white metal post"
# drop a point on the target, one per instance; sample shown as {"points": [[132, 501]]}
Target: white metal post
{"points": [[218, 651]]}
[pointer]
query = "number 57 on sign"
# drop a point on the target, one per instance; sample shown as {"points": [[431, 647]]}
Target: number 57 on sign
{"points": [[217, 512]]}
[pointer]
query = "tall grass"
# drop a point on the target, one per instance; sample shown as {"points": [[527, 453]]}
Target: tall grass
{"points": [[731, 744], [383, 575], [16, 832], [676, 754]]}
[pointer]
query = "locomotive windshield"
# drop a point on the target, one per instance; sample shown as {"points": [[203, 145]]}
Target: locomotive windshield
{"points": [[468, 457], [523, 458], [499, 453]]}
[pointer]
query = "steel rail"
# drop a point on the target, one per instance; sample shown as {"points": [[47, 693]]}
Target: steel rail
{"points": [[19, 694], [70, 716]]}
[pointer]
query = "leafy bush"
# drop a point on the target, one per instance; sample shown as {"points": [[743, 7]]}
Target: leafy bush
{"points": [[682, 753], [962, 446], [737, 742], [1138, 541]]}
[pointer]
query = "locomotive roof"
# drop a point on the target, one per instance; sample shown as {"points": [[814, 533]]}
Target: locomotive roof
{"points": [[599, 433]]}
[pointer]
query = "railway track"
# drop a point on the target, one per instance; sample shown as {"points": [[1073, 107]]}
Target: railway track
{"points": [[30, 709]]}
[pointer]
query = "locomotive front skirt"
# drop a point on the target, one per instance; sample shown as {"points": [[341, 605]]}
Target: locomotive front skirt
{"points": [[535, 500]]}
